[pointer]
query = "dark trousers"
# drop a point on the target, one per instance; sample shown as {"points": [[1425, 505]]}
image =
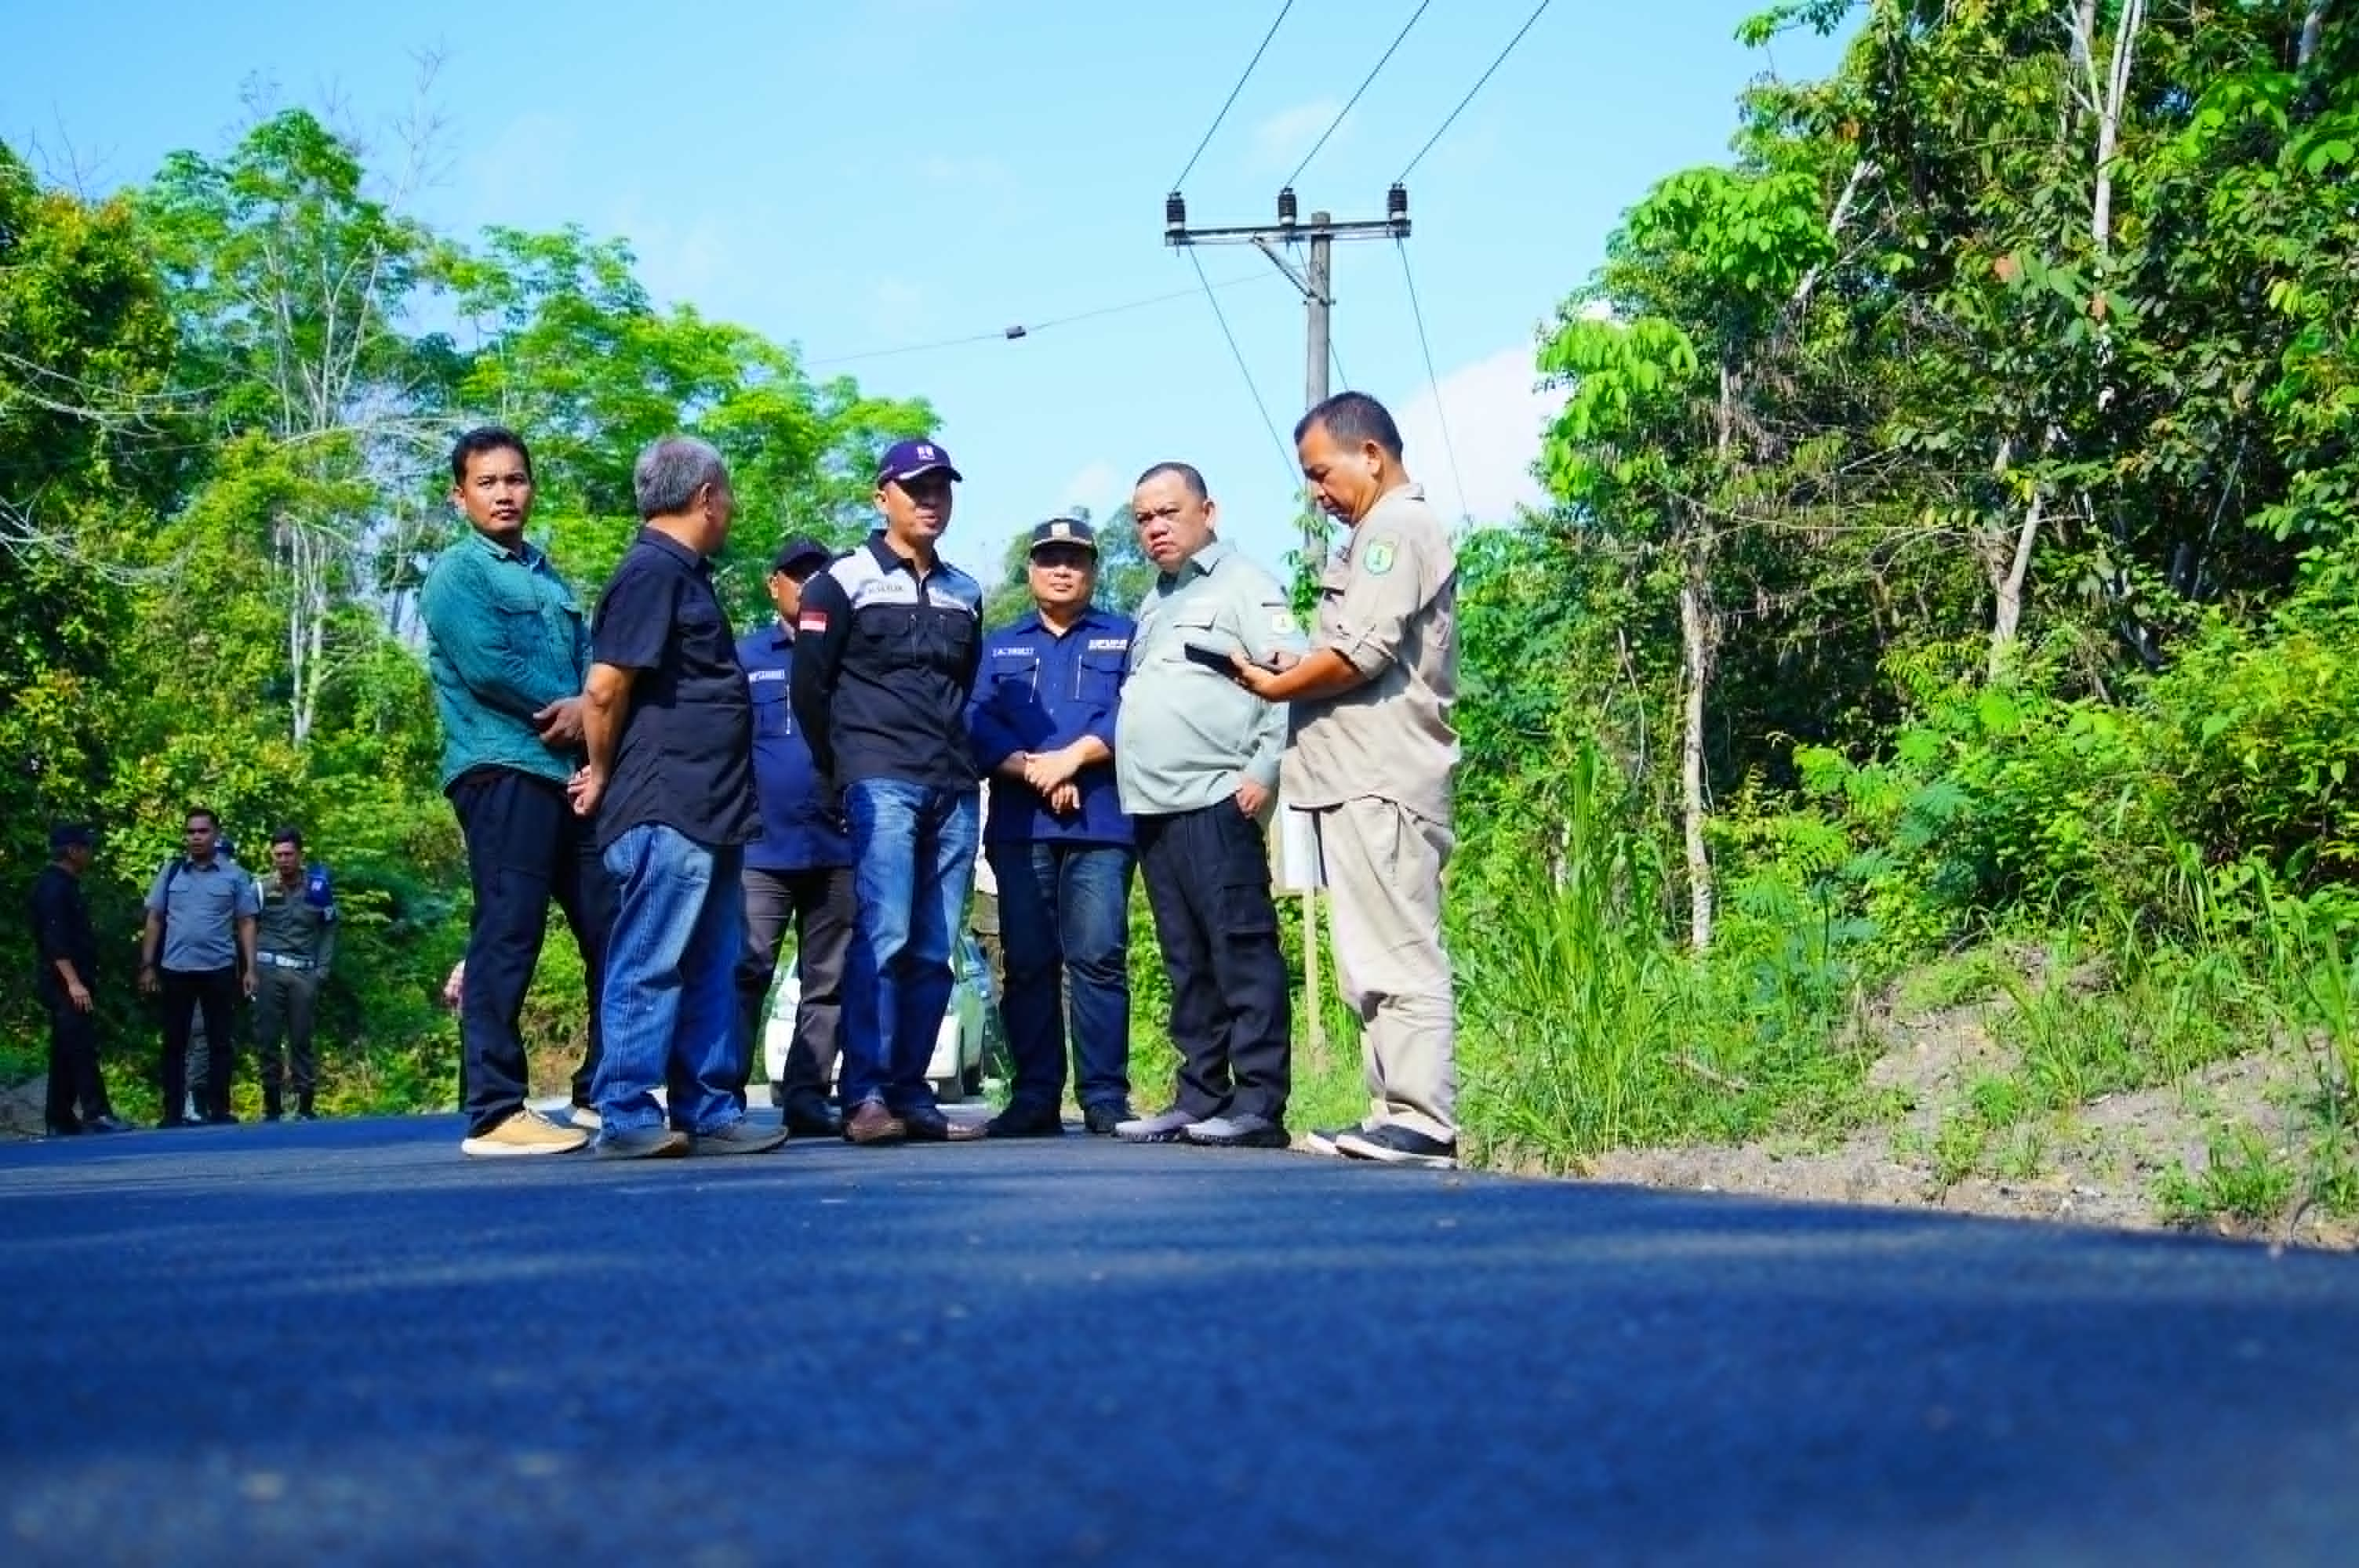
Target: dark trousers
{"points": [[820, 906], [525, 846], [1208, 885], [73, 1068], [1064, 925], [284, 1002], [186, 993]]}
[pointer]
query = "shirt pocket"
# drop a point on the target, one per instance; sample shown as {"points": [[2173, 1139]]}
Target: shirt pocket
{"points": [[1098, 679], [774, 711], [1202, 627]]}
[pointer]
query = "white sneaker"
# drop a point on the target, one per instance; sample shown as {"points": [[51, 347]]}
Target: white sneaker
{"points": [[1163, 1127], [524, 1134], [585, 1116]]}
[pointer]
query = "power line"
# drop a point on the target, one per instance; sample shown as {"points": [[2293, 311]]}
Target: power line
{"points": [[1285, 460], [1231, 101], [1010, 333], [1441, 418], [1337, 360], [1477, 87], [1371, 77]]}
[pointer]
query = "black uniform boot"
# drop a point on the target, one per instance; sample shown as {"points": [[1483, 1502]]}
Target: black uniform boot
{"points": [[271, 1105]]}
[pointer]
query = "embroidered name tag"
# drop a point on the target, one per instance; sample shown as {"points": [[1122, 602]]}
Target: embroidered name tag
{"points": [[1019, 651], [1108, 644], [766, 674]]}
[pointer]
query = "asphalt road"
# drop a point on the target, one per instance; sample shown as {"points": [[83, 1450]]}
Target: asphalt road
{"points": [[341, 1343]]}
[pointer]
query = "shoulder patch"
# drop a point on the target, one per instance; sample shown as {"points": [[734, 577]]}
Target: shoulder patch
{"points": [[1282, 621], [813, 622], [1379, 559]]}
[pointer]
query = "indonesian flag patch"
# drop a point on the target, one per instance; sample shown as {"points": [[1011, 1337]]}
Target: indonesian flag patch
{"points": [[813, 622]]}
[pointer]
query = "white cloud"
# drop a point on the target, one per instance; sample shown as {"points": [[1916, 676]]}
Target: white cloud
{"points": [[1496, 413], [1282, 139], [512, 173], [1092, 485]]}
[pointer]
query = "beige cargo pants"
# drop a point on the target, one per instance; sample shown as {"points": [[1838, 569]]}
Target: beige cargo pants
{"points": [[1382, 866]]}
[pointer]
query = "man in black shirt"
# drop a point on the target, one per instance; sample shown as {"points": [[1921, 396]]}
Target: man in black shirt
{"points": [[669, 728], [886, 648], [69, 954]]}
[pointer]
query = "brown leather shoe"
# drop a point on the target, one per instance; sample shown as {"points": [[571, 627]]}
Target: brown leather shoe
{"points": [[871, 1123]]}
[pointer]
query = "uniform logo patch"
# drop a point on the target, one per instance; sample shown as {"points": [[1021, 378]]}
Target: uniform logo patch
{"points": [[766, 674], [1380, 558], [813, 622], [1108, 644], [1282, 622]]}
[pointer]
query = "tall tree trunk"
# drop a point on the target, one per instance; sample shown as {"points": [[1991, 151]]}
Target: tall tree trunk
{"points": [[1695, 668]]}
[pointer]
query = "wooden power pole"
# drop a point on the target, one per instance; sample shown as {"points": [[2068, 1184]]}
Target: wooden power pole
{"points": [[1314, 282]]}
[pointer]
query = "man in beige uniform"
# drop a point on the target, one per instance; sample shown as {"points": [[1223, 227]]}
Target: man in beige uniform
{"points": [[1369, 758]]}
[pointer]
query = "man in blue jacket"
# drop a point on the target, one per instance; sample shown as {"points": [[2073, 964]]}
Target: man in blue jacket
{"points": [[799, 870], [1042, 722]]}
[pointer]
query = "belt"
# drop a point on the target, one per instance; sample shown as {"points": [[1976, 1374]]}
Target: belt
{"points": [[281, 960]]}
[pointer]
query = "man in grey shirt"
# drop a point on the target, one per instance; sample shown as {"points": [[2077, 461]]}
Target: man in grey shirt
{"points": [[1196, 759], [197, 950]]}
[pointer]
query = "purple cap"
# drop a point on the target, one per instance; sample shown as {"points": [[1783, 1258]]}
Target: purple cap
{"points": [[907, 459]]}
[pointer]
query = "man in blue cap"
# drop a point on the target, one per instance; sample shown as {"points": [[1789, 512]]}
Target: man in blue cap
{"points": [[1059, 846], [68, 946], [886, 641], [799, 871]]}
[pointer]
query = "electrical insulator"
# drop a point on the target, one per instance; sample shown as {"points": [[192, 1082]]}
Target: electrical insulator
{"points": [[1285, 207], [1396, 204], [1175, 213]]}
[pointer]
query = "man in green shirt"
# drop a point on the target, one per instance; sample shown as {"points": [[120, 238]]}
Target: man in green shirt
{"points": [[295, 942], [1196, 759], [507, 647]]}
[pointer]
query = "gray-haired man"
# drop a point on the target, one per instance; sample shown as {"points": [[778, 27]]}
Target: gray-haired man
{"points": [[669, 725]]}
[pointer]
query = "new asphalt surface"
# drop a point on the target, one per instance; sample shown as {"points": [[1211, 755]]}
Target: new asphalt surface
{"points": [[340, 1341]]}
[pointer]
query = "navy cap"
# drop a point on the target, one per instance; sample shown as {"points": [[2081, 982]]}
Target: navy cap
{"points": [[65, 835], [907, 459], [1063, 531], [796, 551]]}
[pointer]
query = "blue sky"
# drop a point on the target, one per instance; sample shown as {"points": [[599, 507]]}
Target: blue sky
{"points": [[875, 174]]}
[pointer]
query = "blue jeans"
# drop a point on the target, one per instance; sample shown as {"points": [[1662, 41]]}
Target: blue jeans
{"points": [[1064, 922], [913, 867], [670, 1011]]}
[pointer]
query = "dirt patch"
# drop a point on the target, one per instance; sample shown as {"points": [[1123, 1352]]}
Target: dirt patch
{"points": [[2098, 1166]]}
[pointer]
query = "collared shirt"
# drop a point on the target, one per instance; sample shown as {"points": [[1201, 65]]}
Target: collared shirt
{"points": [[297, 922], [1388, 604], [800, 830], [884, 658], [201, 905], [1186, 735], [61, 929], [505, 638], [685, 757], [1038, 691]]}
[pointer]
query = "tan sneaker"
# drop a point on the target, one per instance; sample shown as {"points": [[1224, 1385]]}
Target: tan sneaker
{"points": [[525, 1132]]}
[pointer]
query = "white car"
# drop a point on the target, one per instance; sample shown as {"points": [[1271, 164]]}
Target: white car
{"points": [[969, 1024]]}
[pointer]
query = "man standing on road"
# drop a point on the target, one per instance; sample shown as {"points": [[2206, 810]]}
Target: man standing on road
{"points": [[1058, 843], [67, 946], [797, 871], [508, 650], [1370, 760], [1197, 759], [197, 950], [670, 782], [296, 945], [886, 649]]}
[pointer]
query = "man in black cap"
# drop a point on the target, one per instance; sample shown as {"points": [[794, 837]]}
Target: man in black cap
{"points": [[68, 946], [1059, 845], [799, 870], [886, 643]]}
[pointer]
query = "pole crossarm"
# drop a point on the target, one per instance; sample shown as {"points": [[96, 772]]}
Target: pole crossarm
{"points": [[1288, 233]]}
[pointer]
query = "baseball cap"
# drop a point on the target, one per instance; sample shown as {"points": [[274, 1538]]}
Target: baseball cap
{"points": [[65, 835], [907, 459], [796, 551], [1063, 531]]}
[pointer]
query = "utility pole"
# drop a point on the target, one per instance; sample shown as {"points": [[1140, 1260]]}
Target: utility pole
{"points": [[1290, 850]]}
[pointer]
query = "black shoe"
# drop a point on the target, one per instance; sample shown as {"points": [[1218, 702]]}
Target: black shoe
{"points": [[222, 1118], [1102, 1119], [1020, 1120], [742, 1136], [931, 1126], [62, 1129], [109, 1122], [307, 1114], [808, 1116], [1395, 1145]]}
